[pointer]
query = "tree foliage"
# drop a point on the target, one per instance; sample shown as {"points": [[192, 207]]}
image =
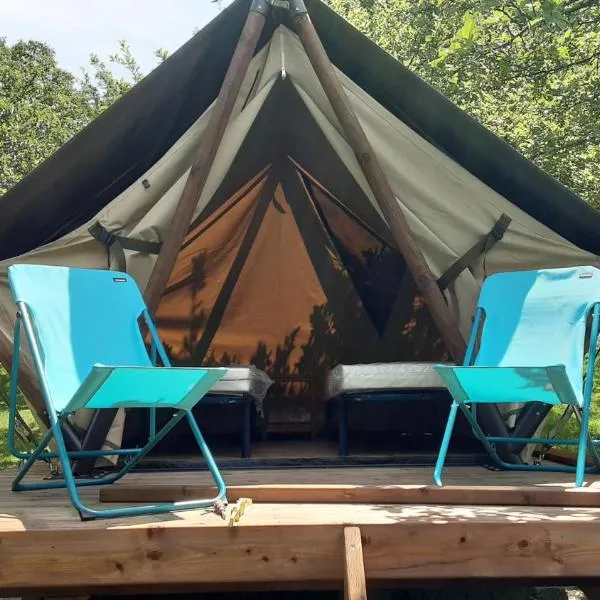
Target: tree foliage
{"points": [[42, 106], [527, 69]]}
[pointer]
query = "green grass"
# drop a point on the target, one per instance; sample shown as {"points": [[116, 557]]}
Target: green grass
{"points": [[571, 428], [6, 459]]}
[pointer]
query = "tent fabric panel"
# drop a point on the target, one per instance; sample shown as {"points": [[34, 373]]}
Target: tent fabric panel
{"points": [[375, 267], [266, 321], [452, 131], [447, 208], [437, 252], [420, 174], [355, 337], [126, 210], [199, 272], [156, 221]]}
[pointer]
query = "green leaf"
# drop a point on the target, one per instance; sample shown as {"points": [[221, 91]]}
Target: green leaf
{"points": [[469, 28]]}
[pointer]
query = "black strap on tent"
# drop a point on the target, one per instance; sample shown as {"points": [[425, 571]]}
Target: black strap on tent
{"points": [[116, 244], [481, 247]]}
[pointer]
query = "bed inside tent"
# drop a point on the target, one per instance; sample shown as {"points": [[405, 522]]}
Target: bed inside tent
{"points": [[289, 266]]}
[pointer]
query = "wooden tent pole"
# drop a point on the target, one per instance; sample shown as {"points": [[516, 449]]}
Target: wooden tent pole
{"points": [[378, 182], [206, 152]]}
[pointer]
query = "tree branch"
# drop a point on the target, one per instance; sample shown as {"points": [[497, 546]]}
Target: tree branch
{"points": [[562, 67], [577, 5]]}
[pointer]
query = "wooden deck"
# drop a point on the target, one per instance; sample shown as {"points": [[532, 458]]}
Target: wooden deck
{"points": [[297, 539]]}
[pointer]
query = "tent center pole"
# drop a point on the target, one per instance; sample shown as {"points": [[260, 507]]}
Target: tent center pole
{"points": [[378, 182], [206, 152]]}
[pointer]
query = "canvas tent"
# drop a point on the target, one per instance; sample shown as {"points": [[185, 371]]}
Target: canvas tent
{"points": [[289, 263]]}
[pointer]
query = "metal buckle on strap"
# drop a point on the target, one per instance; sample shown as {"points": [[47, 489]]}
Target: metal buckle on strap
{"points": [[101, 234]]}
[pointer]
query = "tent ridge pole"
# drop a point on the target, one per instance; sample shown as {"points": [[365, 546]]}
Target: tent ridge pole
{"points": [[380, 186], [206, 152]]}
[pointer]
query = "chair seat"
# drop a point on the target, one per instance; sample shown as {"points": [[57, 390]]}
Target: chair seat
{"points": [[480, 384], [144, 387]]}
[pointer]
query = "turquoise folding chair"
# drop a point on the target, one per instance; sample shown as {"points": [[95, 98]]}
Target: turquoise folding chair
{"points": [[83, 329], [527, 345]]}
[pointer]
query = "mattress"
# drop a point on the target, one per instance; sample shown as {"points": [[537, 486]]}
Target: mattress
{"points": [[244, 380], [407, 376]]}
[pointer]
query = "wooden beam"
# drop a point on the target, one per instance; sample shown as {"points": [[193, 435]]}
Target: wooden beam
{"points": [[355, 584], [354, 494], [380, 186], [176, 553], [206, 152]]}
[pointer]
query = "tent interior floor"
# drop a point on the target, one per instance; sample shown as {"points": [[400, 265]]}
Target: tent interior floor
{"points": [[379, 433], [366, 449]]}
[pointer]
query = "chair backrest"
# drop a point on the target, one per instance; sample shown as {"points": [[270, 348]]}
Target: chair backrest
{"points": [[82, 317], [538, 318]]}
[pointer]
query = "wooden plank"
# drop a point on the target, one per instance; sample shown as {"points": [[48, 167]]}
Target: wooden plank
{"points": [[121, 557], [355, 584], [357, 494]]}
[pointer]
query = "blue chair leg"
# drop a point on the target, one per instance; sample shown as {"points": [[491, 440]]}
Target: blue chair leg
{"points": [[441, 459], [586, 408], [343, 426], [86, 513], [582, 449], [246, 425], [208, 456]]}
